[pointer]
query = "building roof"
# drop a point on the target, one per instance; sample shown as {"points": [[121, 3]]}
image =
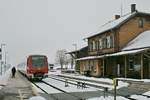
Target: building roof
{"points": [[114, 54], [139, 44], [141, 41], [116, 23], [128, 52], [90, 57], [74, 51]]}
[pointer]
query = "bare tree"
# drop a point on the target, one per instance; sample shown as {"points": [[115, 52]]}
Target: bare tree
{"points": [[61, 57], [68, 61]]}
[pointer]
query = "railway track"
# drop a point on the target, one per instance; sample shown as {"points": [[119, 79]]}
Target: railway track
{"points": [[61, 91], [78, 98], [54, 87], [46, 92], [74, 82], [70, 81]]}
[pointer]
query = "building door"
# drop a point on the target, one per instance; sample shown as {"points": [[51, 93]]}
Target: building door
{"points": [[118, 69], [146, 67]]}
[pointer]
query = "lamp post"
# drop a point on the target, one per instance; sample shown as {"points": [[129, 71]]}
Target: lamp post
{"points": [[2, 57], [5, 63], [75, 45]]}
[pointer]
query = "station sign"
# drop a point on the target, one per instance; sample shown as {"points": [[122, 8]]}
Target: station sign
{"points": [[115, 82]]}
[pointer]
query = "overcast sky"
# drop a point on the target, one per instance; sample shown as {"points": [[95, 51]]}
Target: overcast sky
{"points": [[44, 26]]}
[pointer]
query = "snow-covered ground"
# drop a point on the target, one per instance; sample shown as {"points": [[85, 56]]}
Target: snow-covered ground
{"points": [[37, 98], [70, 88], [139, 97], [4, 78], [73, 88], [136, 80], [47, 88], [121, 84], [107, 80], [108, 98]]}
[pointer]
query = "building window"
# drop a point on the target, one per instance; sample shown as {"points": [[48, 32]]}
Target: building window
{"points": [[91, 46], [141, 23], [111, 41], [108, 41], [100, 43], [94, 66], [91, 65], [94, 45], [131, 63], [104, 43], [86, 67]]}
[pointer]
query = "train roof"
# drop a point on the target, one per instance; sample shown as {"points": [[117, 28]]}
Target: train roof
{"points": [[36, 55]]}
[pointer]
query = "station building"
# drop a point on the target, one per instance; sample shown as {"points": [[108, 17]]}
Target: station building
{"points": [[121, 48]]}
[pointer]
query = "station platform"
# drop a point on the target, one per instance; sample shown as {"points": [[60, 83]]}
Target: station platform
{"points": [[18, 88]]}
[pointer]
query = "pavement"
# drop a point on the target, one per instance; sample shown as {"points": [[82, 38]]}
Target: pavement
{"points": [[18, 88], [134, 88]]}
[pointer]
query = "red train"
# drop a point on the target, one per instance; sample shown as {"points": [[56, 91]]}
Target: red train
{"points": [[37, 66]]}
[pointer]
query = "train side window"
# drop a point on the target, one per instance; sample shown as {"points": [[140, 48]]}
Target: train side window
{"points": [[27, 62]]}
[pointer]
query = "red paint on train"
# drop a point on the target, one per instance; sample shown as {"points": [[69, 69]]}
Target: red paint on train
{"points": [[37, 66]]}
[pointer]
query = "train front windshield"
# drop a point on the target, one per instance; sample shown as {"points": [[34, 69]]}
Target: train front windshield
{"points": [[38, 61]]}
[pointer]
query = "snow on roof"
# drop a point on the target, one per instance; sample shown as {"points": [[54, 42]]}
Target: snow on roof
{"points": [[74, 51], [90, 57], [141, 41], [113, 54], [112, 24], [126, 52], [115, 23], [79, 45]]}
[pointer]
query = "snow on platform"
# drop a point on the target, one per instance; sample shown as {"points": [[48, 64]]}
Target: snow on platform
{"points": [[4, 78], [135, 80], [108, 98], [70, 88], [147, 93], [17, 86], [139, 97], [103, 80], [37, 98]]}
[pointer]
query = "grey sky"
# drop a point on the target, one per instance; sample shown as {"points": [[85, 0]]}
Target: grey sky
{"points": [[44, 26]]}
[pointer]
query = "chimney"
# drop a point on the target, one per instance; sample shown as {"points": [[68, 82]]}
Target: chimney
{"points": [[117, 16], [133, 8]]}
